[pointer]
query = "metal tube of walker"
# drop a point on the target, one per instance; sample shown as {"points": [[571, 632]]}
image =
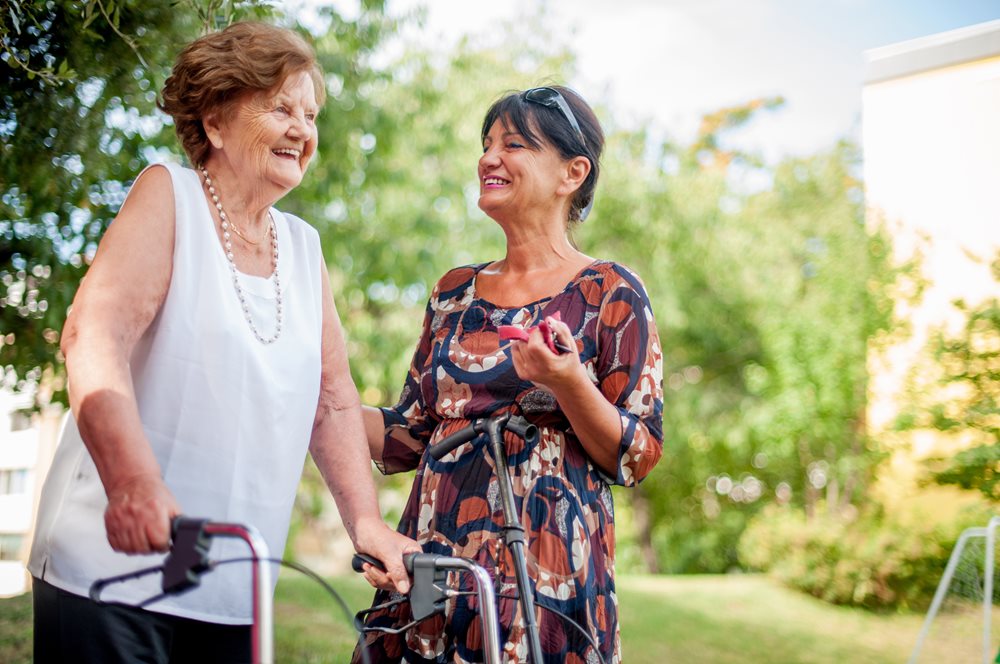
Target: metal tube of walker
{"points": [[487, 605], [514, 533], [262, 630]]}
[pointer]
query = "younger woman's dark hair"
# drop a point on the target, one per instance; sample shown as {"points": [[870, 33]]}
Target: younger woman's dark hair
{"points": [[538, 123]]}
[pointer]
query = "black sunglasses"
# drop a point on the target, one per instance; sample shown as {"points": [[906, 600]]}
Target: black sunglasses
{"points": [[552, 99]]}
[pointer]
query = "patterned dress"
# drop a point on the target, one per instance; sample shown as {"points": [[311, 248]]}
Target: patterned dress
{"points": [[460, 372]]}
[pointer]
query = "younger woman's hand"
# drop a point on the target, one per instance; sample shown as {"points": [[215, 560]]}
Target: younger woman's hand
{"points": [[535, 361]]}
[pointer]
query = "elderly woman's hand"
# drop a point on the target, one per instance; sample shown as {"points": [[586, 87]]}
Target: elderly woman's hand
{"points": [[388, 546], [138, 515], [535, 361]]}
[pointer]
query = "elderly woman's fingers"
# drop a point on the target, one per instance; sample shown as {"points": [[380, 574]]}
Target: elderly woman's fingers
{"points": [[137, 518]]}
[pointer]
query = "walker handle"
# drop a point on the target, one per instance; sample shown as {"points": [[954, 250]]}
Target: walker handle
{"points": [[515, 424], [460, 437], [359, 559]]}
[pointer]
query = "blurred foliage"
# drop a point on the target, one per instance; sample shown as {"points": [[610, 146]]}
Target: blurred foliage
{"points": [[767, 286], [765, 282], [970, 363], [77, 124], [866, 559]]}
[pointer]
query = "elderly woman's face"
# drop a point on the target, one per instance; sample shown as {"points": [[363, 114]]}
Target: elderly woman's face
{"points": [[271, 136]]}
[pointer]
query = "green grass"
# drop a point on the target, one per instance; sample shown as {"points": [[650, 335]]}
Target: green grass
{"points": [[15, 630], [309, 627], [749, 618], [736, 619]]}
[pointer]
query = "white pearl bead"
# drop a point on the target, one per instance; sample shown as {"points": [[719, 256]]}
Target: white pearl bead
{"points": [[228, 246]]}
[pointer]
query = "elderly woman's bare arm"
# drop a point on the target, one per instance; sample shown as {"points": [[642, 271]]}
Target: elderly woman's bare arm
{"points": [[338, 447], [117, 300]]}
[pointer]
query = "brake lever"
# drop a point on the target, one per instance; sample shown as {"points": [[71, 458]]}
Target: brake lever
{"points": [[188, 557], [426, 595], [181, 569]]}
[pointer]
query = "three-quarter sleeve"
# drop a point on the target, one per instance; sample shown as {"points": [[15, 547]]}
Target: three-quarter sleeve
{"points": [[630, 373], [410, 423]]}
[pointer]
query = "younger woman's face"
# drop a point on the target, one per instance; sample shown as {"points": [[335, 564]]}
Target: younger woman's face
{"points": [[515, 177]]}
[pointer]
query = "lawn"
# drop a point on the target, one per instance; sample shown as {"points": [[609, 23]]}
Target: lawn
{"points": [[712, 619]]}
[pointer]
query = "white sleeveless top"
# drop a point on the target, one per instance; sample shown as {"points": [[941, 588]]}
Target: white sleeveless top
{"points": [[229, 418]]}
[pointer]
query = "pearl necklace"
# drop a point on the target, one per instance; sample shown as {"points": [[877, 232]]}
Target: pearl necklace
{"points": [[227, 243]]}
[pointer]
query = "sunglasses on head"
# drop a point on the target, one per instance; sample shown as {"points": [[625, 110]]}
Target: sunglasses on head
{"points": [[551, 98]]}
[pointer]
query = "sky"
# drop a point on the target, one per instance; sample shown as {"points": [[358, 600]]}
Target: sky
{"points": [[665, 63]]}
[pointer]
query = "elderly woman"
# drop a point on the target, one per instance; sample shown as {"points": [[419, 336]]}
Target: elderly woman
{"points": [[598, 407], [204, 356]]}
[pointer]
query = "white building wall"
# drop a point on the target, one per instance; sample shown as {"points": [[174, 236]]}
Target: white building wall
{"points": [[931, 140], [25, 456]]}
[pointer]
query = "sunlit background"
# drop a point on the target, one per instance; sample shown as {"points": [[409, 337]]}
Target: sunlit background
{"points": [[664, 64], [808, 189]]}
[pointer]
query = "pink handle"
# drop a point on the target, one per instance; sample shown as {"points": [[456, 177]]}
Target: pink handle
{"points": [[518, 334]]}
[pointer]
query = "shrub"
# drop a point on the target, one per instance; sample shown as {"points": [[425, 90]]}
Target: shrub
{"points": [[868, 559]]}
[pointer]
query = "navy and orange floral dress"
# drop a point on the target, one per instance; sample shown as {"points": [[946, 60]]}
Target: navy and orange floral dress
{"points": [[461, 371]]}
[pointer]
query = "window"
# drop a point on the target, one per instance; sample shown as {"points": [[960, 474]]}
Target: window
{"points": [[13, 481]]}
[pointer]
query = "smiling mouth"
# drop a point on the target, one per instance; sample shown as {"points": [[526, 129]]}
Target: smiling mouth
{"points": [[287, 153], [495, 182]]}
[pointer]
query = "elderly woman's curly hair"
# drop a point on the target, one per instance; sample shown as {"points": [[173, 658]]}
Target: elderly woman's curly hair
{"points": [[216, 70]]}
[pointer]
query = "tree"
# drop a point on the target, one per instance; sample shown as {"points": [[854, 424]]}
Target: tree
{"points": [[64, 164], [78, 122], [970, 362], [766, 297]]}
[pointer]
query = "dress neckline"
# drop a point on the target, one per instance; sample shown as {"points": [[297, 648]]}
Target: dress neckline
{"points": [[576, 277]]}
